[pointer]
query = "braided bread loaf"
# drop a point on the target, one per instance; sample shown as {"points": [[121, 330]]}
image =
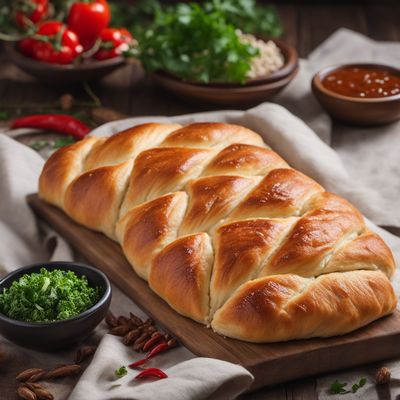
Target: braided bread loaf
{"points": [[225, 231]]}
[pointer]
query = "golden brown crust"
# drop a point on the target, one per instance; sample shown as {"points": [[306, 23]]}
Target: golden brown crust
{"points": [[244, 159], [62, 168], [149, 227], [212, 199], [240, 249], [314, 237], [162, 170], [94, 198], [211, 134], [367, 251], [285, 307], [128, 144], [161, 190], [282, 193], [180, 274]]}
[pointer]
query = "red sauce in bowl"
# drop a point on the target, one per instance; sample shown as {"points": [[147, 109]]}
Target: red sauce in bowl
{"points": [[362, 82]]}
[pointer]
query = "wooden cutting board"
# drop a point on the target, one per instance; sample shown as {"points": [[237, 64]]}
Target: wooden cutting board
{"points": [[269, 363]]}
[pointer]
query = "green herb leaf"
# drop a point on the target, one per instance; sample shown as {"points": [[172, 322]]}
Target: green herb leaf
{"points": [[338, 388], [47, 296], [195, 44], [63, 142], [121, 371], [4, 116], [39, 144]]}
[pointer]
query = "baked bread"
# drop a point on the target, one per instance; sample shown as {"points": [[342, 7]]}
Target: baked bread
{"points": [[225, 231]]}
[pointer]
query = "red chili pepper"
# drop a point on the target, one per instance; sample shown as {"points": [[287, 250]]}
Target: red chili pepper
{"points": [[53, 122], [158, 349], [152, 373]]}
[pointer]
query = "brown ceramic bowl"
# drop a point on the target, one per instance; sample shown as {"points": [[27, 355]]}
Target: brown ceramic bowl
{"points": [[355, 110], [228, 94], [63, 74]]}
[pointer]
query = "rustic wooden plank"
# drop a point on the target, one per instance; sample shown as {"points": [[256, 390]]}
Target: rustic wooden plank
{"points": [[383, 21], [269, 363], [317, 23]]}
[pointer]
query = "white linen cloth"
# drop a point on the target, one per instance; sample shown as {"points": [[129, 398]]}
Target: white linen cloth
{"points": [[371, 155], [23, 241]]}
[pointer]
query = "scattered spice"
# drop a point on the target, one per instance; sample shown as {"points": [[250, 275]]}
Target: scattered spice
{"points": [[151, 373], [83, 353], [141, 335], [121, 371], [39, 391], [382, 376], [63, 371], [27, 374], [66, 102], [24, 393]]}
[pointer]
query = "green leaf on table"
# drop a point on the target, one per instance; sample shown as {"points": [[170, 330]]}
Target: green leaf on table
{"points": [[121, 371], [358, 385], [338, 388], [62, 142], [4, 116], [39, 144]]}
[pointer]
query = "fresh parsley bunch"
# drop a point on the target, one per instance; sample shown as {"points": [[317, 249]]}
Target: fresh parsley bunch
{"points": [[48, 296], [249, 16], [196, 45]]}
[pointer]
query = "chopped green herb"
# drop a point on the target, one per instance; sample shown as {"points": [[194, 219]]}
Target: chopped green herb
{"points": [[358, 385], [39, 144], [62, 142], [48, 296], [121, 371], [4, 116], [338, 388]]}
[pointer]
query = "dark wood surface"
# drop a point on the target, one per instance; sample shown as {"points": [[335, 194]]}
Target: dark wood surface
{"points": [[269, 363], [305, 25]]}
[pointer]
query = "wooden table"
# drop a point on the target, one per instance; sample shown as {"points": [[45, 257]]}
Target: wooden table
{"points": [[305, 25]]}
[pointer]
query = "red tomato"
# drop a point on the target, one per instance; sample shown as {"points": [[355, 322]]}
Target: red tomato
{"points": [[33, 10], [58, 50], [113, 43], [87, 19], [26, 46]]}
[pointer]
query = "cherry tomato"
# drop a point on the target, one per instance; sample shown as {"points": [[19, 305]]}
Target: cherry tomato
{"points": [[114, 42], [87, 19], [26, 46], [61, 47], [32, 10]]}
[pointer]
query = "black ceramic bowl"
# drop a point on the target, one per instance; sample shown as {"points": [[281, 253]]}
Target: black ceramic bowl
{"points": [[59, 334]]}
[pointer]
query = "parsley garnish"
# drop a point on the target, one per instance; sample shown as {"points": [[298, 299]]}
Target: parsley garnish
{"points": [[47, 296], [340, 388], [121, 371]]}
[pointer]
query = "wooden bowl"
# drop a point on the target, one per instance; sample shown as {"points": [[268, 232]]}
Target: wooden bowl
{"points": [[62, 74], [356, 110], [229, 94]]}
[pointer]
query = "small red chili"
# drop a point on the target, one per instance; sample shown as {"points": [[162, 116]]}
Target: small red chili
{"points": [[54, 122], [158, 349], [151, 373], [138, 363]]}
